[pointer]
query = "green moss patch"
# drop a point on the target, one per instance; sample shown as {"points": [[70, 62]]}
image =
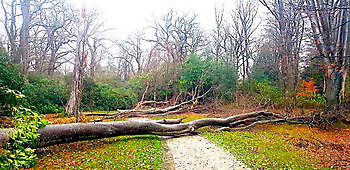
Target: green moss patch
{"points": [[263, 149], [124, 152]]}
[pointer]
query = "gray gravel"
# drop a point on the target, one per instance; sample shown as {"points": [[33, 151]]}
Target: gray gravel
{"points": [[198, 153]]}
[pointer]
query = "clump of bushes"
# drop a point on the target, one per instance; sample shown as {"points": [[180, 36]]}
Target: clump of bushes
{"points": [[10, 75], [45, 95], [308, 96], [160, 84], [263, 92], [269, 94], [102, 96], [18, 152], [203, 74]]}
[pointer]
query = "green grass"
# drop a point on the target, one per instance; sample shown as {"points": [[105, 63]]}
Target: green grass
{"points": [[102, 111], [189, 117], [124, 152], [263, 149]]}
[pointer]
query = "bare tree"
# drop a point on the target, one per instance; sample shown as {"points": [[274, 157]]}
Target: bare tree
{"points": [[95, 42], [10, 17], [218, 33], [329, 21], [88, 28], [289, 33], [132, 53], [52, 32], [24, 34], [234, 42], [80, 61], [244, 26], [178, 35]]}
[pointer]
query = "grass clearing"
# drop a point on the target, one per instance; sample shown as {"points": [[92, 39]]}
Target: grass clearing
{"points": [[286, 146], [261, 150], [124, 152]]}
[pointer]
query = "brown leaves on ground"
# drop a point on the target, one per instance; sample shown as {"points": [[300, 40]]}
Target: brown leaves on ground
{"points": [[56, 119], [331, 146]]}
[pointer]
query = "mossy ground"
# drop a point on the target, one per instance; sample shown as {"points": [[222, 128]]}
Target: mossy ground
{"points": [[124, 152], [261, 150], [286, 146], [188, 117]]}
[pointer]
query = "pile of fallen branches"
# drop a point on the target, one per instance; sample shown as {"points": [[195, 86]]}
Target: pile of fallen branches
{"points": [[138, 111], [65, 133]]}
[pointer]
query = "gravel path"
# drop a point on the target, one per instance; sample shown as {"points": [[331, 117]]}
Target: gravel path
{"points": [[198, 153]]}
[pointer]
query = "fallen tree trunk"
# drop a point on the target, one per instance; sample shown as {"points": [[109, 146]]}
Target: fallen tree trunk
{"points": [[65, 133]]}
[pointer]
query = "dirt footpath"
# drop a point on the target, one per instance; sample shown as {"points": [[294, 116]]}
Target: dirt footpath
{"points": [[196, 152]]}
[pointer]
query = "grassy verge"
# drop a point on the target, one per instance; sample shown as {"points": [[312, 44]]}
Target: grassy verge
{"points": [[286, 146], [261, 150], [125, 152]]}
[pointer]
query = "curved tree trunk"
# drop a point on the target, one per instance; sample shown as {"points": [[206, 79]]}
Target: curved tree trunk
{"points": [[65, 133]]}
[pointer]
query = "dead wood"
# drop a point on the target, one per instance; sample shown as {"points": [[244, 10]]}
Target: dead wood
{"points": [[162, 110], [65, 133]]}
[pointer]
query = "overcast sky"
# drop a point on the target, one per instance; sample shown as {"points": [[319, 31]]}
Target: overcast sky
{"points": [[129, 16]]}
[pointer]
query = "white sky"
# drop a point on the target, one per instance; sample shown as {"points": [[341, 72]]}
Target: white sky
{"points": [[129, 16]]}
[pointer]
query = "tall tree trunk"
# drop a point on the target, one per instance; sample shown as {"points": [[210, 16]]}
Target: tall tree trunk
{"points": [[333, 85], [93, 55], [330, 33], [73, 104], [51, 43], [24, 35]]}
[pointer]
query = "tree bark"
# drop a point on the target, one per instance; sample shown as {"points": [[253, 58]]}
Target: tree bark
{"points": [[330, 28], [24, 35], [73, 104], [65, 133]]}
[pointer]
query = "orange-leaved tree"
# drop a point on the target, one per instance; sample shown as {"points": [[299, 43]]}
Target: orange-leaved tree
{"points": [[308, 88], [307, 94]]}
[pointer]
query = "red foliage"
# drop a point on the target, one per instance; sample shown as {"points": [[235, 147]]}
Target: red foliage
{"points": [[308, 88]]}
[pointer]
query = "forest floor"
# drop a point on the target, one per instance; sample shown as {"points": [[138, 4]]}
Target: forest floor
{"points": [[278, 146]]}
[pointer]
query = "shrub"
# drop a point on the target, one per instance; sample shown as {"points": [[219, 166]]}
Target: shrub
{"points": [[263, 74], [8, 99], [263, 92], [90, 94], [138, 83], [45, 95], [107, 97], [269, 94], [224, 80], [308, 96], [18, 152], [10, 75], [198, 74]]}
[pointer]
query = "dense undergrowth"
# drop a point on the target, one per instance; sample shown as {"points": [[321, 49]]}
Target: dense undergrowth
{"points": [[19, 151]]}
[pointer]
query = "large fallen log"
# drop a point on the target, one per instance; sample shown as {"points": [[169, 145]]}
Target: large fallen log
{"points": [[65, 133]]}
